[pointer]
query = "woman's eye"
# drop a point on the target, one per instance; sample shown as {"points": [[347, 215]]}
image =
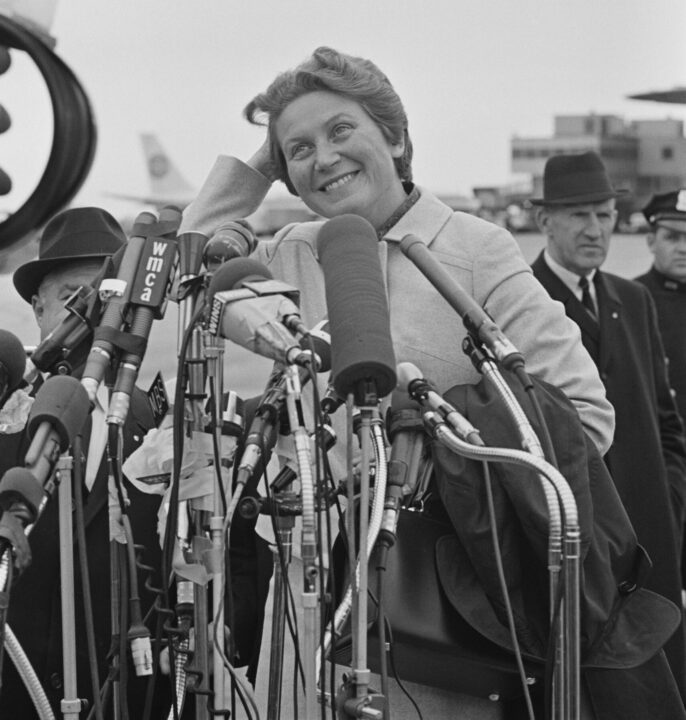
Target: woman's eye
{"points": [[299, 151], [341, 129]]}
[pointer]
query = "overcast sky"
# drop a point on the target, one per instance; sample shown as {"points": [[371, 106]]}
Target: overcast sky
{"points": [[471, 73]]}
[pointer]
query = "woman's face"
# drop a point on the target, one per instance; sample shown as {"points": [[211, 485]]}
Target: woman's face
{"points": [[338, 159]]}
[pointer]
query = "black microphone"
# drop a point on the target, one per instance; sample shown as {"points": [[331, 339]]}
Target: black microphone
{"points": [[263, 432], [57, 414], [411, 381], [363, 362], [232, 240], [116, 293], [235, 273], [477, 321], [12, 364], [74, 330], [254, 311], [148, 299], [405, 429]]}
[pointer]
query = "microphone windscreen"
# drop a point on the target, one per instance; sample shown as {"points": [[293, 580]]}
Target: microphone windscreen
{"points": [[236, 271], [62, 401], [13, 359], [231, 240], [361, 347]]}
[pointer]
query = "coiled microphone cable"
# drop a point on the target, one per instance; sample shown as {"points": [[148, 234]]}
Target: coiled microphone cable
{"points": [[73, 143]]}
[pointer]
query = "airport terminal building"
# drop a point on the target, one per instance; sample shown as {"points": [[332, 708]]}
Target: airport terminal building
{"points": [[643, 156]]}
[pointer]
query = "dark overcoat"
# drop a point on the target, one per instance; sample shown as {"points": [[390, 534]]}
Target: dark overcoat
{"points": [[647, 459]]}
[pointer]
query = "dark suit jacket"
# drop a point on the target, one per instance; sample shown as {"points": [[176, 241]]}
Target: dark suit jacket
{"points": [[647, 460]]}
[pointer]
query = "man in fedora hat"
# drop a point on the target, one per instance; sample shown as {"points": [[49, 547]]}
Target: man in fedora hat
{"points": [[619, 329], [72, 250]]}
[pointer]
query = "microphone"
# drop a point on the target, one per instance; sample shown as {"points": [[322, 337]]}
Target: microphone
{"points": [[263, 433], [115, 292], [12, 364], [148, 298], [254, 311], [234, 274], [57, 414], [67, 345], [477, 321], [405, 429], [232, 240], [363, 361], [420, 389]]}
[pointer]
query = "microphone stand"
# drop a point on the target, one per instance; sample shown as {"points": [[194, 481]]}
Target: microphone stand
{"points": [[359, 700], [355, 700], [71, 705], [310, 595], [283, 507], [214, 354], [195, 421]]}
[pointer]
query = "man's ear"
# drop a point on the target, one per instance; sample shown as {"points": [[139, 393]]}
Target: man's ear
{"points": [[542, 219], [650, 241], [37, 305]]}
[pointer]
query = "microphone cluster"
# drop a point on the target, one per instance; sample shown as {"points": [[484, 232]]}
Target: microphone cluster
{"points": [[235, 297]]}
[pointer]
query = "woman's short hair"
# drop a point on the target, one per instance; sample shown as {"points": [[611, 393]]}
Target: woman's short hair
{"points": [[355, 78]]}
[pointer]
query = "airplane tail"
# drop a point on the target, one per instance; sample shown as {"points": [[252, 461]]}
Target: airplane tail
{"points": [[165, 178]]}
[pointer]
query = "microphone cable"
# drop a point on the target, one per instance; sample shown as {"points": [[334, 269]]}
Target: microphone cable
{"points": [[74, 136], [507, 603]]}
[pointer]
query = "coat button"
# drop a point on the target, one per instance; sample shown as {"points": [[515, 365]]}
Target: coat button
{"points": [[56, 680]]}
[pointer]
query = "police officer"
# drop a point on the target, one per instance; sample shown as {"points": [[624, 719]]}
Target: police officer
{"points": [[666, 281]]}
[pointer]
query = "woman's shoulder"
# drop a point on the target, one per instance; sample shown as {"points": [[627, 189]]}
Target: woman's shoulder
{"points": [[292, 239], [473, 237]]}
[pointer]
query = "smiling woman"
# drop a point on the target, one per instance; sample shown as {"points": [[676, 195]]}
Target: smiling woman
{"points": [[337, 158], [337, 136]]}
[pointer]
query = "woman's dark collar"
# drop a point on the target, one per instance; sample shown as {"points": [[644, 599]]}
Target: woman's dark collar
{"points": [[412, 197]]}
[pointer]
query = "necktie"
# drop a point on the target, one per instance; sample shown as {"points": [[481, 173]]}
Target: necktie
{"points": [[586, 298]]}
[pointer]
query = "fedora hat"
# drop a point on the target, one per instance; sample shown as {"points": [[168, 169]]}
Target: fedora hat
{"points": [[87, 233], [574, 179]]}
